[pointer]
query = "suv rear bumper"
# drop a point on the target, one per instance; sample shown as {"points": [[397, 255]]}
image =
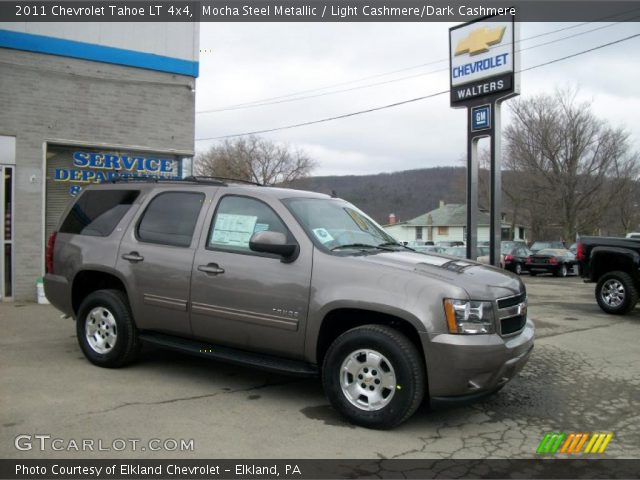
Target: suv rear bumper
{"points": [[57, 290], [470, 365]]}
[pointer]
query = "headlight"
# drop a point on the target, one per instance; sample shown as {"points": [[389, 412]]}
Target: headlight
{"points": [[469, 316]]}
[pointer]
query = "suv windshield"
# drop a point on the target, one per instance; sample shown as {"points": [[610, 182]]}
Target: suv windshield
{"points": [[336, 224]]}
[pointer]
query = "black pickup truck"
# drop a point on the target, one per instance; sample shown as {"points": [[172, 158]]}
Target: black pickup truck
{"points": [[614, 263]]}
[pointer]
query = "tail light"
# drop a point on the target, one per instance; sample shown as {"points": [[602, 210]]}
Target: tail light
{"points": [[51, 243], [553, 261], [508, 258], [580, 252]]}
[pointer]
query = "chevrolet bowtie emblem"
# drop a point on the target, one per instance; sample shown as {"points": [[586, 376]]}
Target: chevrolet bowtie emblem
{"points": [[480, 40]]}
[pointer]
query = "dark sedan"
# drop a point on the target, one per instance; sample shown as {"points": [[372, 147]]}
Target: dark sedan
{"points": [[514, 256], [537, 246], [558, 261]]}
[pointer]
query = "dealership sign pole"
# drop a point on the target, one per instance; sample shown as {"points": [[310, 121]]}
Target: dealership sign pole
{"points": [[483, 66]]}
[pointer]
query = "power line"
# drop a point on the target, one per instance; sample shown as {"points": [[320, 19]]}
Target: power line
{"points": [[386, 82], [404, 102], [435, 62]]}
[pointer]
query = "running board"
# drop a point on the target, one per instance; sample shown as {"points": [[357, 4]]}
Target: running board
{"points": [[230, 355]]}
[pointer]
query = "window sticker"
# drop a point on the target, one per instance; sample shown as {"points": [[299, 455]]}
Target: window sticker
{"points": [[261, 227], [322, 235], [233, 230]]}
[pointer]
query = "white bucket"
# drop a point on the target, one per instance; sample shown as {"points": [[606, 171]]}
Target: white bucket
{"points": [[42, 298]]}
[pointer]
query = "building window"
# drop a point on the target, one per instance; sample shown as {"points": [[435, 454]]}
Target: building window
{"points": [[443, 230], [418, 233]]}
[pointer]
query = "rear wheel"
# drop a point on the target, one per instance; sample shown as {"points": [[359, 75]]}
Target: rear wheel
{"points": [[532, 273], [518, 269], [106, 332], [374, 376], [616, 293]]}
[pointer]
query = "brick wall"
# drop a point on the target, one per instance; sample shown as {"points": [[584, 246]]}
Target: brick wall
{"points": [[53, 99]]}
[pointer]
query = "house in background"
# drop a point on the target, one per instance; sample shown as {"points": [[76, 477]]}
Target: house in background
{"points": [[446, 223]]}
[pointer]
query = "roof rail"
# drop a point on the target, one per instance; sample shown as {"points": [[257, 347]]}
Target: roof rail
{"points": [[218, 180], [143, 178]]}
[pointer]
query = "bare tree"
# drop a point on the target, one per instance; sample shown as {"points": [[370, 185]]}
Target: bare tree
{"points": [[255, 159], [626, 192], [566, 156]]}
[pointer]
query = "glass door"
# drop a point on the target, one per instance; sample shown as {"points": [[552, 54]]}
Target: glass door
{"points": [[7, 214]]}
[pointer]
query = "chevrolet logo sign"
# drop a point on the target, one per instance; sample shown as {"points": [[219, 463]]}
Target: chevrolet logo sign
{"points": [[479, 40]]}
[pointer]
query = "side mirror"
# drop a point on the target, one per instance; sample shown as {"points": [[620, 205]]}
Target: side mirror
{"points": [[273, 242]]}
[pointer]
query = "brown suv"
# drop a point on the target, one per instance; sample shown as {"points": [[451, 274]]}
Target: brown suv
{"points": [[286, 280]]}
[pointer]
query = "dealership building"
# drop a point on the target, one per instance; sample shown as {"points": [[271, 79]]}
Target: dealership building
{"points": [[83, 103]]}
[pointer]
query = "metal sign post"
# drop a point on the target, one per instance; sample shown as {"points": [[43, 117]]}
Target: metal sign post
{"points": [[483, 64]]}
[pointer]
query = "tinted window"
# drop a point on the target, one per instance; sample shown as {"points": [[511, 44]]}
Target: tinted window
{"points": [[97, 212], [171, 218], [237, 218]]}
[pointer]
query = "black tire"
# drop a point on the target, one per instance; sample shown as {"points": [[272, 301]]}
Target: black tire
{"points": [[404, 359], [562, 270], [627, 294], [125, 346], [532, 273], [518, 269]]}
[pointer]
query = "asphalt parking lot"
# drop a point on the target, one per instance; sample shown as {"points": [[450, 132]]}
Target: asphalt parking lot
{"points": [[583, 376]]}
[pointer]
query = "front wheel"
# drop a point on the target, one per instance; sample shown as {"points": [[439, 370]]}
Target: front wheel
{"points": [[374, 376], [562, 271], [106, 332], [616, 293]]}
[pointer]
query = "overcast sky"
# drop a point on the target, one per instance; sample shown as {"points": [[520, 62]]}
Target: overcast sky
{"points": [[247, 62]]}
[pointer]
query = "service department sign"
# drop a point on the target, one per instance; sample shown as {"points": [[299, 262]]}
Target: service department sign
{"points": [[483, 60]]}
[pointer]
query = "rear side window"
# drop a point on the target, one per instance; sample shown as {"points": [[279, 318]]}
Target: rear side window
{"points": [[98, 212], [170, 218]]}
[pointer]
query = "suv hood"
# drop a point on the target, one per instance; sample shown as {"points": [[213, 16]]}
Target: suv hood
{"points": [[481, 282]]}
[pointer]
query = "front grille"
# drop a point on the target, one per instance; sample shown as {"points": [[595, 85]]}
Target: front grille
{"points": [[512, 324], [511, 301], [512, 313]]}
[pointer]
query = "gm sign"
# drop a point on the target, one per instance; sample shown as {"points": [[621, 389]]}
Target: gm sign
{"points": [[482, 60]]}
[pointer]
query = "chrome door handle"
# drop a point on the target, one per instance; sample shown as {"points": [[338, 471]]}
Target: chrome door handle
{"points": [[212, 268], [133, 257]]}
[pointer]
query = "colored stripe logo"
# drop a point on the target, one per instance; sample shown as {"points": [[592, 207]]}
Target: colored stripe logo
{"points": [[574, 443]]}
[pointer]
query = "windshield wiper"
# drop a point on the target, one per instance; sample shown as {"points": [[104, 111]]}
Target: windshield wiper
{"points": [[362, 245], [395, 244]]}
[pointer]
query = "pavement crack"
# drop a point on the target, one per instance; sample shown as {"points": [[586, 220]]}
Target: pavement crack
{"points": [[186, 399]]}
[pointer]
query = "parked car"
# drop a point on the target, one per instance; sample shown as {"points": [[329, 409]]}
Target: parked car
{"points": [[558, 261], [514, 256], [462, 253], [449, 243], [430, 249], [537, 246], [614, 265], [416, 244], [285, 280], [573, 248], [633, 235], [456, 251]]}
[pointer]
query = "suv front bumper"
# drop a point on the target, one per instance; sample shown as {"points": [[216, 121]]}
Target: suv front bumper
{"points": [[470, 365]]}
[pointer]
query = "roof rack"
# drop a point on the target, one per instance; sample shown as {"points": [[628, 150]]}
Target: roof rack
{"points": [[212, 179], [143, 178], [220, 181]]}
